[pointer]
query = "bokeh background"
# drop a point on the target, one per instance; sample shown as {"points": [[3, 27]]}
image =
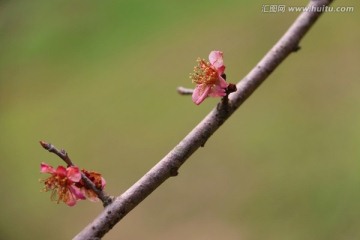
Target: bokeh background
{"points": [[99, 79]]}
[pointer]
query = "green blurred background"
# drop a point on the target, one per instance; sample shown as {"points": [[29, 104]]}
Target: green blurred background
{"points": [[99, 79]]}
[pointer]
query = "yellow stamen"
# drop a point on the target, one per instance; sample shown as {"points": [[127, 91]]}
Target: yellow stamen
{"points": [[204, 73]]}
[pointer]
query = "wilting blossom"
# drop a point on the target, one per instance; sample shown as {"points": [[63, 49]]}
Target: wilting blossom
{"points": [[61, 183], [67, 185], [209, 78], [98, 181]]}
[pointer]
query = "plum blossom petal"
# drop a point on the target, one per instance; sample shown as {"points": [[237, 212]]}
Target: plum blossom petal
{"points": [[45, 168], [61, 171], [217, 91], [222, 82], [74, 174], [216, 59], [103, 183], [70, 199], [201, 92], [76, 192]]}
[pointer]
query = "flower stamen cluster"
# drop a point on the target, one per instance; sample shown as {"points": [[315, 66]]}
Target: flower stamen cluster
{"points": [[204, 73]]}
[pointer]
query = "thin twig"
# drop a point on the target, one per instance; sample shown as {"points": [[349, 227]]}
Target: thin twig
{"points": [[170, 164], [88, 183], [185, 91], [60, 153]]}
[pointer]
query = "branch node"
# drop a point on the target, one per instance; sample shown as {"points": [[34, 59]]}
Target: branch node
{"points": [[174, 172], [296, 48], [108, 200]]}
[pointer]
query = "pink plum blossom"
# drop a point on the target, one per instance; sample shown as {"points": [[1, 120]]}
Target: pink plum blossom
{"points": [[209, 78], [61, 183]]}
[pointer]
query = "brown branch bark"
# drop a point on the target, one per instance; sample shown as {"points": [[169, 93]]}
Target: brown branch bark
{"points": [[170, 164]]}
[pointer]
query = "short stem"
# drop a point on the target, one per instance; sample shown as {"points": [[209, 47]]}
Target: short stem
{"points": [[185, 91]]}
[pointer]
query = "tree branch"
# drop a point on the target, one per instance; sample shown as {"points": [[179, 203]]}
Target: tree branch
{"points": [[170, 164]]}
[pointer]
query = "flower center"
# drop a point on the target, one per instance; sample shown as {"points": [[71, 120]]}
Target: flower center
{"points": [[204, 73], [58, 187]]}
